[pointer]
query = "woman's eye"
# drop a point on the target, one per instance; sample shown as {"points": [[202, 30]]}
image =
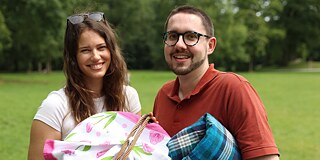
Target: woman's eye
{"points": [[101, 48], [84, 51]]}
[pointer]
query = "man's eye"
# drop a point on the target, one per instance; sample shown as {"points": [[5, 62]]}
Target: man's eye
{"points": [[191, 36], [172, 36]]}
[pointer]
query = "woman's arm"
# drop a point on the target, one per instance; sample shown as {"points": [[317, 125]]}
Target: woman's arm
{"points": [[40, 132]]}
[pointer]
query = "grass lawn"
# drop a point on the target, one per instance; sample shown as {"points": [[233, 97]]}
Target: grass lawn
{"points": [[291, 100]]}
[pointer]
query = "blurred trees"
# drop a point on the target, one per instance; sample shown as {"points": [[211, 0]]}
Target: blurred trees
{"points": [[301, 21], [250, 34], [5, 37]]}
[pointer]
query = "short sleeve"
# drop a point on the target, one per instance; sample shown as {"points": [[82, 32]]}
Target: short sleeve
{"points": [[249, 122], [133, 101], [53, 109]]}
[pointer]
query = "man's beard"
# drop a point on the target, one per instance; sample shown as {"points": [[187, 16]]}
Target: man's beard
{"points": [[180, 71]]}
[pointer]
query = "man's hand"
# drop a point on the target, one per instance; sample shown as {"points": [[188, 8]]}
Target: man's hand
{"points": [[153, 118]]}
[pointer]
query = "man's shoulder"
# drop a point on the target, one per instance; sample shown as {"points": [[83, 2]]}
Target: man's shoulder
{"points": [[168, 85], [229, 80], [231, 76]]}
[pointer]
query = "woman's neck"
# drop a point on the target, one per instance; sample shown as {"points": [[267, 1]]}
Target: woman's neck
{"points": [[95, 86]]}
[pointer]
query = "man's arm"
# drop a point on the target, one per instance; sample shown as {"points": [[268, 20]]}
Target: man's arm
{"points": [[267, 157]]}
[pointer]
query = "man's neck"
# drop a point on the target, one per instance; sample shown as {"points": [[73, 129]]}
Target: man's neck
{"points": [[189, 82]]}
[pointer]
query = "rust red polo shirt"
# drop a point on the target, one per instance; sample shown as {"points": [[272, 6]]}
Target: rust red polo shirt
{"points": [[228, 97]]}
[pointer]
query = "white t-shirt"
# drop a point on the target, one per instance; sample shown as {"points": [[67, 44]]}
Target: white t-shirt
{"points": [[55, 111]]}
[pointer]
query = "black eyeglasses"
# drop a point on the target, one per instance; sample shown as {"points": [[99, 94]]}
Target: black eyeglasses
{"points": [[190, 38], [79, 18]]}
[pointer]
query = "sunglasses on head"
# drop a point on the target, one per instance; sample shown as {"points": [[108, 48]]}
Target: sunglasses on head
{"points": [[79, 18]]}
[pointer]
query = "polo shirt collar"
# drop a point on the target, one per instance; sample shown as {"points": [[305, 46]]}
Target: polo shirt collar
{"points": [[210, 74]]}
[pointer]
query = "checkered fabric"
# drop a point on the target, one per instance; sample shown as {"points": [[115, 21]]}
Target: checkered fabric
{"points": [[206, 139]]}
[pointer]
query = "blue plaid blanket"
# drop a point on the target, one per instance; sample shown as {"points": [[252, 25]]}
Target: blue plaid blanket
{"points": [[205, 139]]}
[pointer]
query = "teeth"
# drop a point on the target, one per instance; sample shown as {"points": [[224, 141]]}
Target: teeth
{"points": [[181, 57], [96, 66]]}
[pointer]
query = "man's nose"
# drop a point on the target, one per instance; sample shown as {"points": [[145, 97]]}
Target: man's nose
{"points": [[180, 42]]}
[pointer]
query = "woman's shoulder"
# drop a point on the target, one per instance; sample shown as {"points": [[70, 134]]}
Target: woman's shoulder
{"points": [[58, 95], [129, 89], [55, 98], [53, 109]]}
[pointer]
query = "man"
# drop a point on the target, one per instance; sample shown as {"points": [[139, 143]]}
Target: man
{"points": [[200, 89]]}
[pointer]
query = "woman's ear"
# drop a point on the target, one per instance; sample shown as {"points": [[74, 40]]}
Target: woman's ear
{"points": [[211, 45]]}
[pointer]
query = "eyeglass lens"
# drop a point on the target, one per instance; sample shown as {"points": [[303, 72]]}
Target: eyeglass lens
{"points": [[189, 38], [75, 19], [96, 16]]}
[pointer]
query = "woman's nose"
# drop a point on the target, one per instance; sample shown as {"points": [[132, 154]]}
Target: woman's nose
{"points": [[95, 55]]}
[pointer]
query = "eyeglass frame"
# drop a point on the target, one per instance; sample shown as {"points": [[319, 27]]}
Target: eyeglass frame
{"points": [[84, 16], [182, 34]]}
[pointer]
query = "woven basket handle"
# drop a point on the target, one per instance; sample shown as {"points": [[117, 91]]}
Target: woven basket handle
{"points": [[133, 137]]}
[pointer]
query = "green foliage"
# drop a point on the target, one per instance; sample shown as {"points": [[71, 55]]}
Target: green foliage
{"points": [[250, 13], [249, 33], [231, 35], [48, 26], [5, 39], [301, 20], [135, 29]]}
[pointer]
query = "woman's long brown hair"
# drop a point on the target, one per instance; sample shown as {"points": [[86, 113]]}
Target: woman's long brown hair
{"points": [[80, 98]]}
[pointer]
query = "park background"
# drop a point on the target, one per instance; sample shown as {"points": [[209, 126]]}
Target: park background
{"points": [[273, 43]]}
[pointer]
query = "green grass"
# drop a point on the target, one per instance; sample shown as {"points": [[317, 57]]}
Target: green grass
{"points": [[20, 95], [148, 83], [291, 100]]}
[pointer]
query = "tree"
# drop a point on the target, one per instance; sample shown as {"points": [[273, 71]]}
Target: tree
{"points": [[250, 13], [275, 34], [230, 33], [249, 33], [133, 20], [5, 36], [46, 21], [301, 20], [36, 33]]}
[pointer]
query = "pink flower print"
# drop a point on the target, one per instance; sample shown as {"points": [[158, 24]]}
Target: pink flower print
{"points": [[48, 149], [98, 134], [101, 153], [89, 127], [106, 142], [147, 148], [155, 137], [124, 125], [86, 141], [69, 152]]}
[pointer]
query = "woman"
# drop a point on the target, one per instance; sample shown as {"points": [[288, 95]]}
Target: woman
{"points": [[95, 82]]}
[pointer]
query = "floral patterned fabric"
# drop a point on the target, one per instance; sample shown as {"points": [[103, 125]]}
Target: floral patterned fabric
{"points": [[101, 136]]}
